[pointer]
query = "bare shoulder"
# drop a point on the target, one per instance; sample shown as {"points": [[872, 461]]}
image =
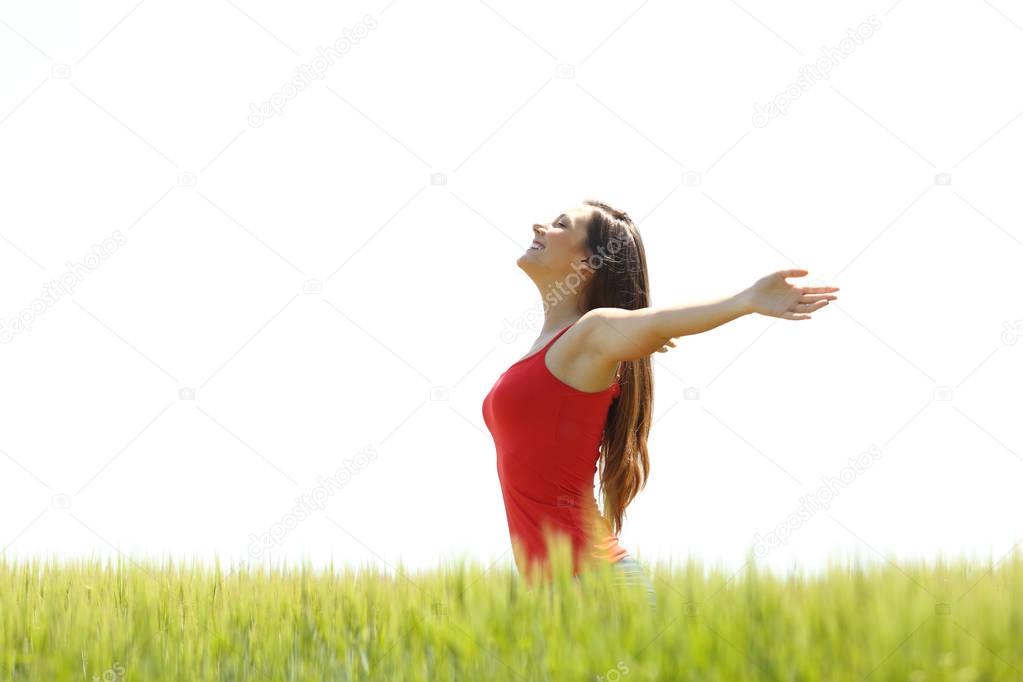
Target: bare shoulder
{"points": [[587, 332], [620, 334], [575, 358]]}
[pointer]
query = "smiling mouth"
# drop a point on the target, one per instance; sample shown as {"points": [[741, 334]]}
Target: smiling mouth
{"points": [[536, 246]]}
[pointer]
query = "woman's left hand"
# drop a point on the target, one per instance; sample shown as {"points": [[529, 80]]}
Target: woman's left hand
{"points": [[773, 296]]}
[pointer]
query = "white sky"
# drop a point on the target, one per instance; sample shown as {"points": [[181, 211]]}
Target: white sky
{"points": [[132, 122]]}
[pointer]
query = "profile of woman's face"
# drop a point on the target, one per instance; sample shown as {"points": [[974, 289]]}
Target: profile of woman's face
{"points": [[557, 245]]}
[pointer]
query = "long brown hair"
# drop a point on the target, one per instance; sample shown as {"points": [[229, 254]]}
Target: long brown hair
{"points": [[619, 280]]}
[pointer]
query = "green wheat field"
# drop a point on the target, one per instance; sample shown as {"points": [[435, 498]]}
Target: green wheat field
{"points": [[91, 619]]}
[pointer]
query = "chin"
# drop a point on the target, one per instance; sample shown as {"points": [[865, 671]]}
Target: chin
{"points": [[525, 266]]}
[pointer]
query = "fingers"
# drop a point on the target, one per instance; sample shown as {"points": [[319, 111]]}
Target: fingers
{"points": [[804, 308], [818, 290], [820, 297]]}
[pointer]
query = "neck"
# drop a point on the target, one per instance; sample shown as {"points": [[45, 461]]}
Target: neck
{"points": [[561, 303]]}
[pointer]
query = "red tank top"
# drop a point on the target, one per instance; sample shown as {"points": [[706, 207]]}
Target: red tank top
{"points": [[547, 436]]}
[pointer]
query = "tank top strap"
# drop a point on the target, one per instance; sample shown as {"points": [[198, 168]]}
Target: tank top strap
{"points": [[543, 351], [618, 372], [556, 336]]}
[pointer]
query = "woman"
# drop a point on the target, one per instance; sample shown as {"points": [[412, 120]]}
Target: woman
{"points": [[584, 392]]}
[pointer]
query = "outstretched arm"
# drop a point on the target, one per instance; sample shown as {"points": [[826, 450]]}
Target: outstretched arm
{"points": [[617, 334]]}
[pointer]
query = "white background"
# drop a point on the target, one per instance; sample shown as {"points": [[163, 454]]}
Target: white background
{"points": [[135, 117]]}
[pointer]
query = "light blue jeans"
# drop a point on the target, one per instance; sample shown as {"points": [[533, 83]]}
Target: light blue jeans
{"points": [[632, 573]]}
